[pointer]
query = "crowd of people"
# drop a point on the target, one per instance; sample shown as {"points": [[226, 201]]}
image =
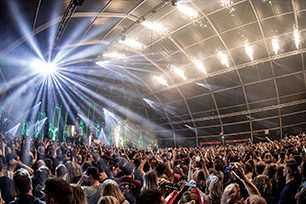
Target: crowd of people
{"points": [[45, 171]]}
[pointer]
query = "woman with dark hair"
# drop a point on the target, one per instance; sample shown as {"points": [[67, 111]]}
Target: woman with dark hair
{"points": [[150, 181]]}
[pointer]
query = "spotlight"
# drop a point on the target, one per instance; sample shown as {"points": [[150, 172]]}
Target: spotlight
{"points": [[43, 67]]}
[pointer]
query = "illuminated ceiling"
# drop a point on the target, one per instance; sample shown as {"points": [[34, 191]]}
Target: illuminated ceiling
{"points": [[218, 66]]}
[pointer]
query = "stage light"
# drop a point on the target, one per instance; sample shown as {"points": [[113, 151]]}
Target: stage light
{"points": [[199, 65], [223, 58], [160, 80], [297, 37], [43, 67], [179, 72], [249, 51], [132, 44], [275, 44], [158, 27], [187, 11], [226, 3]]}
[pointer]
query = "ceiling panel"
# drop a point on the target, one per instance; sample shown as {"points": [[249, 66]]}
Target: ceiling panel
{"points": [[291, 84], [201, 30], [255, 91], [288, 65], [225, 20], [224, 81], [278, 25], [255, 73], [266, 9], [201, 103], [230, 97]]}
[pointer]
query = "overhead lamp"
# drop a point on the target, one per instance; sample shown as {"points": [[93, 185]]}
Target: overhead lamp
{"points": [[275, 44], [249, 51], [43, 67], [134, 44], [223, 58], [297, 37], [187, 11], [158, 27], [199, 65], [226, 3], [179, 72], [160, 80]]}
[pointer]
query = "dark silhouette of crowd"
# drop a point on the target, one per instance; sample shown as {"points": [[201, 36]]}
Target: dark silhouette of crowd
{"points": [[44, 171]]}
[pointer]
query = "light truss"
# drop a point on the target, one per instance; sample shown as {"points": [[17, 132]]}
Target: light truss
{"points": [[247, 112]]}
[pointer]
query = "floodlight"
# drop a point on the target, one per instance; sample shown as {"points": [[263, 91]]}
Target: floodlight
{"points": [[179, 72], [275, 44], [249, 51], [160, 80], [199, 65], [297, 37], [44, 68], [223, 58]]}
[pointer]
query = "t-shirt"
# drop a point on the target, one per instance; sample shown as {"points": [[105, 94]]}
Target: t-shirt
{"points": [[6, 186], [288, 193]]}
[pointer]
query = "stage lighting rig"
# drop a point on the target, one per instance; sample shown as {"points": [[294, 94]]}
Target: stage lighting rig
{"points": [[44, 68]]}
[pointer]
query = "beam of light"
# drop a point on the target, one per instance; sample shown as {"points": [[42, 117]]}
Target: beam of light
{"points": [[102, 137], [199, 65], [148, 101], [223, 58], [25, 94], [37, 126], [179, 72], [160, 80], [25, 29], [117, 135], [275, 44], [13, 130], [191, 128], [187, 11], [249, 51], [297, 37], [134, 44], [86, 120], [43, 67], [79, 91], [114, 55], [158, 27], [206, 86], [108, 113]]}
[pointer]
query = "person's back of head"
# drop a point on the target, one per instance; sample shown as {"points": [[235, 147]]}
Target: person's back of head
{"points": [[58, 191], [264, 185], [43, 174], [255, 199], [150, 180], [108, 200], [231, 194], [61, 171], [260, 167], [150, 197], [93, 172], [78, 195], [22, 181], [111, 189], [189, 197]]}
